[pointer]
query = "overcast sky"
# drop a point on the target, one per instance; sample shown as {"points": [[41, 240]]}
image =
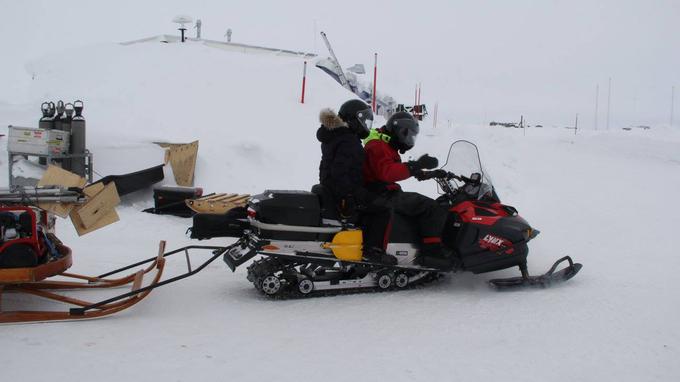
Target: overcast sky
{"points": [[480, 60]]}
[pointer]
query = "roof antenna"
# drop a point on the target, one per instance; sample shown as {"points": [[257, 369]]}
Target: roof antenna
{"points": [[181, 20]]}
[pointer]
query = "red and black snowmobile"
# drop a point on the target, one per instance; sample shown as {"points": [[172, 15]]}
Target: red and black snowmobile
{"points": [[305, 249]]}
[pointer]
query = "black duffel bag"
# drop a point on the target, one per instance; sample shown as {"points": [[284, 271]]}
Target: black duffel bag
{"points": [[231, 224]]}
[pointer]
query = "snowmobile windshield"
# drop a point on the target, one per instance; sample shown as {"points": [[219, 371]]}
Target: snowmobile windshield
{"points": [[463, 160]]}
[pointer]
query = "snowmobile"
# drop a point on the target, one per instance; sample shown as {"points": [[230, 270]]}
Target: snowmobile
{"points": [[306, 249]]}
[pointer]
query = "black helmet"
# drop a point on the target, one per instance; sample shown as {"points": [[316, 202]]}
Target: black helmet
{"points": [[403, 129], [358, 116]]}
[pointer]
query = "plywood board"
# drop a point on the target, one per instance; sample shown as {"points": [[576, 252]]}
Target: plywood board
{"points": [[182, 159], [110, 218], [98, 206], [56, 176]]}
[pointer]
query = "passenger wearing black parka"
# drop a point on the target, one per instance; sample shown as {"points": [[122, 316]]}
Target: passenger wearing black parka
{"points": [[341, 171]]}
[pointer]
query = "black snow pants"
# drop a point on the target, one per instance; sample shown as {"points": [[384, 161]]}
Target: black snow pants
{"points": [[374, 221], [429, 216]]}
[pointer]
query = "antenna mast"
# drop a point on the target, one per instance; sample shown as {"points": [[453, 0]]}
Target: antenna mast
{"points": [[597, 103], [341, 74], [609, 97]]}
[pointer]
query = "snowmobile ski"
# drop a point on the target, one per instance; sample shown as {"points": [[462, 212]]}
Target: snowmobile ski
{"points": [[543, 281]]}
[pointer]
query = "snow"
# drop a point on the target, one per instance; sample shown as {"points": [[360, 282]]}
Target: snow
{"points": [[604, 197]]}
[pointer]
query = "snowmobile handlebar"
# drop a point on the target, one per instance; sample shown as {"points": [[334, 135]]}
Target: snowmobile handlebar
{"points": [[442, 174], [471, 180]]}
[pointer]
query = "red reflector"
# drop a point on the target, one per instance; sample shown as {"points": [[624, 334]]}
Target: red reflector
{"points": [[198, 192], [432, 240], [251, 213]]}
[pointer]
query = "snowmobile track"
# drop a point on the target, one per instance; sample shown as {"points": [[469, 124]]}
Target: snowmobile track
{"points": [[266, 266]]}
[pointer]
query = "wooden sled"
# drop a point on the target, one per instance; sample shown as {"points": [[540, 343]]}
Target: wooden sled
{"points": [[33, 281], [217, 203]]}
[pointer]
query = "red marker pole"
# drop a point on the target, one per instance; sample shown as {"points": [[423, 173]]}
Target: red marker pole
{"points": [[304, 81], [375, 78]]}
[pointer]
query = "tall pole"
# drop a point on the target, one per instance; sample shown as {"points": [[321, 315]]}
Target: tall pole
{"points": [[304, 82], [597, 103], [415, 96], [609, 100], [576, 124], [375, 79], [420, 87], [436, 111], [672, 103]]}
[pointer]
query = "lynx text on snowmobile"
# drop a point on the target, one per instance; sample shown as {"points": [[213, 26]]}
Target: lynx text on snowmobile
{"points": [[305, 249]]}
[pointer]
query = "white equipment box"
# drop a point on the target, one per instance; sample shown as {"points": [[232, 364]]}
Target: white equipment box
{"points": [[27, 140]]}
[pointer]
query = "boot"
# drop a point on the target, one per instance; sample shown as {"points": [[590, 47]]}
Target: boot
{"points": [[432, 249], [378, 255], [435, 255]]}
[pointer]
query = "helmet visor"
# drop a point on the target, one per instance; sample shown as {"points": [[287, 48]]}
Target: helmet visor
{"points": [[365, 118], [407, 131]]}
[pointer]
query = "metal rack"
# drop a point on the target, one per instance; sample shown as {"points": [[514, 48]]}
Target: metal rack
{"points": [[52, 159]]}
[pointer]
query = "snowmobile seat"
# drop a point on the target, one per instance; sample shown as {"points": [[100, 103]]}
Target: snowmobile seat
{"points": [[327, 202]]}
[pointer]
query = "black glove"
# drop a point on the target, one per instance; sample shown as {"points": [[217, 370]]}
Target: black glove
{"points": [[424, 175], [424, 162]]}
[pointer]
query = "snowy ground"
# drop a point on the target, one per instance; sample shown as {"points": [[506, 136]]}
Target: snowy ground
{"points": [[607, 198]]}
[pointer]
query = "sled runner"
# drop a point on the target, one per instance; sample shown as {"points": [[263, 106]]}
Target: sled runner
{"points": [[35, 281], [38, 281]]}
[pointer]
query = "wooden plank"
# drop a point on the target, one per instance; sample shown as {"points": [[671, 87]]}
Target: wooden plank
{"points": [[212, 197], [220, 197], [81, 229], [98, 206], [220, 206], [99, 211], [182, 158], [236, 198], [93, 189], [56, 176], [137, 283]]}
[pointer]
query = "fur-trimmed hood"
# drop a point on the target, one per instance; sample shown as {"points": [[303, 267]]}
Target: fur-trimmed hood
{"points": [[330, 119]]}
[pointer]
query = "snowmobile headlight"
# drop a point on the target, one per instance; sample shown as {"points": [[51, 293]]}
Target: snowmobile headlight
{"points": [[530, 233]]}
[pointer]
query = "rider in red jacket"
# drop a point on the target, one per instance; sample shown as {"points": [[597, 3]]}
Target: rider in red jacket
{"points": [[383, 168]]}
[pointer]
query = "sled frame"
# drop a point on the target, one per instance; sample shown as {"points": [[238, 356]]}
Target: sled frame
{"points": [[89, 310]]}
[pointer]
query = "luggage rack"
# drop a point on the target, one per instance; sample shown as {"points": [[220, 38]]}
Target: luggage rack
{"points": [[50, 159]]}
